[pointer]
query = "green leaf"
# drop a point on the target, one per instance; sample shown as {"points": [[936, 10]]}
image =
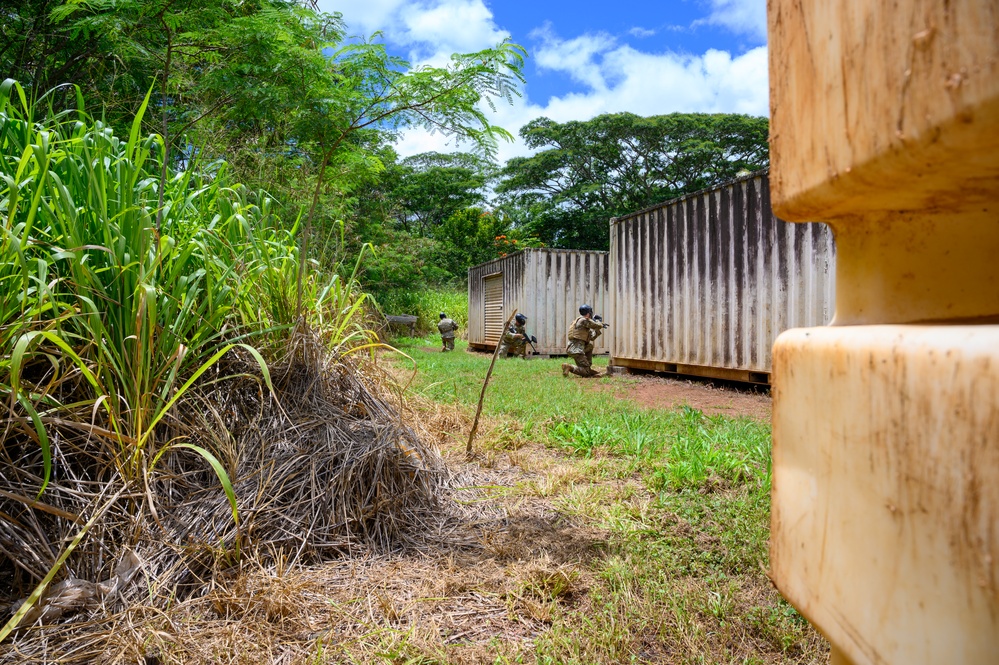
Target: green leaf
{"points": [[216, 467]]}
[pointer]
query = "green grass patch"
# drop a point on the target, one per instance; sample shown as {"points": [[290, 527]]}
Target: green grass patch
{"points": [[680, 448], [684, 497]]}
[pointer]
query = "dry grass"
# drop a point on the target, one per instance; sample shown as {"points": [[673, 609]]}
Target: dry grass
{"points": [[526, 554], [323, 468], [359, 610], [509, 571]]}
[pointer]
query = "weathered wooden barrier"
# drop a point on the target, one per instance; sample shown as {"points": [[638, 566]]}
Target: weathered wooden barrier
{"points": [[885, 523], [407, 321]]}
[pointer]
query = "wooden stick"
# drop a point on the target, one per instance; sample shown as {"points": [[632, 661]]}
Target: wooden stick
{"points": [[482, 395]]}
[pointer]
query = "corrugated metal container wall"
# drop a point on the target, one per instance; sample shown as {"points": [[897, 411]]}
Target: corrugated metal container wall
{"points": [[705, 283], [547, 286]]}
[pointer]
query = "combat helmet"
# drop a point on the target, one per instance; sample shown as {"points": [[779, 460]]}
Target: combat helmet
{"points": [[585, 309]]}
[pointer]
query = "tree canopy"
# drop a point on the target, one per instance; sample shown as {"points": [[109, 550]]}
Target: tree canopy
{"points": [[430, 187], [258, 82], [586, 172], [277, 90]]}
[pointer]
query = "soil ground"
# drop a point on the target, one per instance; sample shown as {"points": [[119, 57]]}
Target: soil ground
{"points": [[712, 398]]}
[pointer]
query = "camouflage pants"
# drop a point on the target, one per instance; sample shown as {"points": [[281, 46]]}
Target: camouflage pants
{"points": [[448, 343], [583, 355], [507, 350]]}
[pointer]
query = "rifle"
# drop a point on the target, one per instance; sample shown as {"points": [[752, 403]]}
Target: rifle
{"points": [[599, 318], [529, 339]]}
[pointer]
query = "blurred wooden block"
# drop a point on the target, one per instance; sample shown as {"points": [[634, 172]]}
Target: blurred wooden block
{"points": [[883, 106], [407, 321], [886, 489], [885, 523]]}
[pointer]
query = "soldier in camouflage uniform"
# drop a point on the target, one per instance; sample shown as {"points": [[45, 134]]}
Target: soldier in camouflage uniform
{"points": [[583, 331], [447, 327], [514, 340]]}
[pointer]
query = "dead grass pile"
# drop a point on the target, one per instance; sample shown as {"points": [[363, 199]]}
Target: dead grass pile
{"points": [[325, 466], [373, 608]]}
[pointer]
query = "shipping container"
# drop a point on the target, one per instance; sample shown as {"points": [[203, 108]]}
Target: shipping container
{"points": [[547, 286], [703, 284]]}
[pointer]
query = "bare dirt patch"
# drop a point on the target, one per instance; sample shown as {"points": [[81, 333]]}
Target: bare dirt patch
{"points": [[713, 399]]}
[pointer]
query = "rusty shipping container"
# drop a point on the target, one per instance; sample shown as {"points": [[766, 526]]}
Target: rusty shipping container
{"points": [[703, 284], [547, 286]]}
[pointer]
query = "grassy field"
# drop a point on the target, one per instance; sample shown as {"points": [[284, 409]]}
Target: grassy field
{"points": [[586, 529], [676, 504]]}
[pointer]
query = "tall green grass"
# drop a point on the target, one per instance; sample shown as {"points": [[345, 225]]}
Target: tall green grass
{"points": [[427, 304], [110, 306]]}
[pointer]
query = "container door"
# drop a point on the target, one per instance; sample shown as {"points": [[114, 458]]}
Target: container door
{"points": [[493, 289]]}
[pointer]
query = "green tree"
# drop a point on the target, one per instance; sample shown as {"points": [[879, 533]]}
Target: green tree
{"points": [[469, 237], [115, 49], [272, 87], [586, 172], [369, 93], [232, 61], [431, 187]]}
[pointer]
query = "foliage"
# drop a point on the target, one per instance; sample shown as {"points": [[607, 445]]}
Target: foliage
{"points": [[427, 304], [103, 309], [114, 310], [275, 89], [431, 187], [418, 215], [400, 262], [403, 262], [469, 237], [206, 58], [586, 172]]}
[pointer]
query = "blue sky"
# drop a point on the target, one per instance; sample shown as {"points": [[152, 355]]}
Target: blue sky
{"points": [[587, 57]]}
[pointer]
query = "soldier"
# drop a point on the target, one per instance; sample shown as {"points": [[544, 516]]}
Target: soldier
{"points": [[447, 328], [514, 340], [583, 331]]}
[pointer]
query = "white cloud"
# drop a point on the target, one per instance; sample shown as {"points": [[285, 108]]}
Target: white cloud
{"points": [[366, 16], [465, 25], [744, 17], [611, 77], [641, 32], [575, 57], [622, 78], [634, 81], [431, 29]]}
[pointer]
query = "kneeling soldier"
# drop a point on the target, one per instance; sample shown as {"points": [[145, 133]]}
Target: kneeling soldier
{"points": [[583, 331], [514, 340]]}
